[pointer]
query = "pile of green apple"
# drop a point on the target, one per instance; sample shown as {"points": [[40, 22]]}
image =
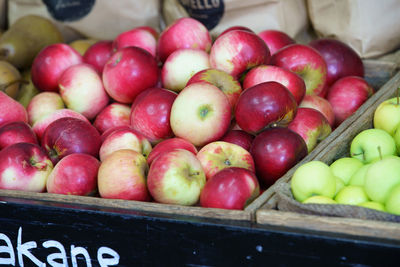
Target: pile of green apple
{"points": [[368, 177]]}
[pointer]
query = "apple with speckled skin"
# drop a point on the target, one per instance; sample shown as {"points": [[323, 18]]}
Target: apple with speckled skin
{"points": [[305, 61], [320, 104], [218, 155], [176, 177], [24, 166], [231, 188], [201, 113], [139, 37], [16, 132], [75, 174], [276, 39], [311, 125], [266, 73], [114, 114], [238, 137], [98, 54], [227, 52], [183, 33], [43, 104]]}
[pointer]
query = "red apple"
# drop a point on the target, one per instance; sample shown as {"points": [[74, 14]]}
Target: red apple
{"points": [[109, 131], [168, 145], [82, 90], [239, 137], [201, 113], [320, 104], [235, 52], [305, 61], [43, 104], [150, 29], [128, 72], [74, 174], [276, 39], [181, 65], [235, 28], [150, 113], [70, 135], [266, 73], [50, 63], [11, 110], [176, 177], [264, 105], [114, 114], [218, 155], [24, 166], [346, 95], [122, 175], [98, 54], [341, 59], [275, 151], [136, 37], [311, 125], [231, 188], [183, 33], [16, 132], [229, 85]]}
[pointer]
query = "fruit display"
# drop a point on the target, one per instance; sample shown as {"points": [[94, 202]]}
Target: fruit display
{"points": [[175, 117]]}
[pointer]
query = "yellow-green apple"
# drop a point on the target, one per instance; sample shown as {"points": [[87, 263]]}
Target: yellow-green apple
{"points": [[136, 37], [392, 204], [128, 72], [40, 125], [98, 54], [50, 63], [382, 176], [82, 90], [224, 81], [231, 188], [276, 39], [218, 155], [396, 137], [346, 95], [75, 174], [201, 113], [305, 61], [339, 184], [122, 175], [320, 104], [345, 167], [11, 110], [372, 205], [24, 166], [372, 144], [319, 200], [124, 139], [313, 178], [183, 33], [275, 151], [168, 145], [235, 52], [181, 65], [150, 114], [238, 137], [112, 115], [311, 125], [43, 104], [264, 105], [176, 177], [16, 132], [358, 177], [266, 73], [340, 58], [236, 28], [10, 79], [70, 135], [351, 195], [387, 115], [81, 45]]}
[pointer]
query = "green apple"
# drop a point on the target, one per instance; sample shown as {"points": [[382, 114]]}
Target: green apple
{"points": [[387, 115], [339, 184], [358, 178], [381, 177], [319, 200], [396, 137], [351, 195], [393, 201], [345, 167], [372, 144], [313, 178], [372, 205]]}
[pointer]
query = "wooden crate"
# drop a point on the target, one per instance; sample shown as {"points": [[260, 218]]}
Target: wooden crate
{"points": [[337, 146]]}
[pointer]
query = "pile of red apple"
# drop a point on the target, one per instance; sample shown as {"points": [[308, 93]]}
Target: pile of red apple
{"points": [[176, 117]]}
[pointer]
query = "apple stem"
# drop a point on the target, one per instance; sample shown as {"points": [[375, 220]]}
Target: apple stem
{"points": [[4, 86]]}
